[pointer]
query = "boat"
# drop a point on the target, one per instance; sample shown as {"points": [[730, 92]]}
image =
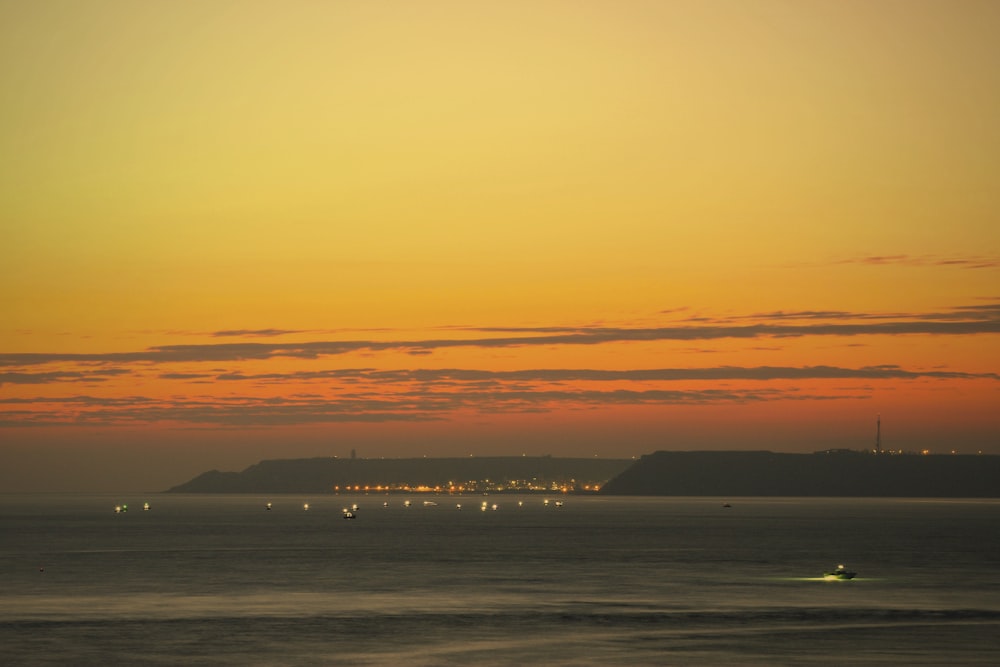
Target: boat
{"points": [[841, 573]]}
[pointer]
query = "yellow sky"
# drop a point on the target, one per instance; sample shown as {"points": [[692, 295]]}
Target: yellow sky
{"points": [[413, 171]]}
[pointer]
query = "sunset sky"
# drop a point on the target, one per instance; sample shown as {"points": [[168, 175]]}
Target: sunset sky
{"points": [[243, 230]]}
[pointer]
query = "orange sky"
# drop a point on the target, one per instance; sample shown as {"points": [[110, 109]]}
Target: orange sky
{"points": [[233, 231]]}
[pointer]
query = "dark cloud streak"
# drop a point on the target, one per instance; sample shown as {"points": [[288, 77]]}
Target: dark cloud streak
{"points": [[415, 406], [963, 321], [96, 375], [240, 333], [762, 373]]}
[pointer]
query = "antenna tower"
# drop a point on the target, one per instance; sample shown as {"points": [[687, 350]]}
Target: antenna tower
{"points": [[878, 435]]}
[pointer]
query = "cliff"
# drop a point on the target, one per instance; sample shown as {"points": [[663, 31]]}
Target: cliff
{"points": [[837, 473], [325, 475]]}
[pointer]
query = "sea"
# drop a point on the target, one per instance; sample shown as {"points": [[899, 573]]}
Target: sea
{"points": [[496, 580]]}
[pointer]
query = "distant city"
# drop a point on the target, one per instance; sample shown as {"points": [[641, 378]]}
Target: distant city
{"points": [[521, 474], [478, 486]]}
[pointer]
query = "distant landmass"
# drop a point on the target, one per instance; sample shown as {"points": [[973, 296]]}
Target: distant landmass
{"points": [[831, 473], [665, 473], [332, 475]]}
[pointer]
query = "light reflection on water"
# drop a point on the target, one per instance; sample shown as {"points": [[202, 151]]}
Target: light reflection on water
{"points": [[218, 579]]}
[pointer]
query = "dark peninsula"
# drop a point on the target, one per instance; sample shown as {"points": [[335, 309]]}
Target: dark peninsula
{"points": [[828, 473], [472, 474]]}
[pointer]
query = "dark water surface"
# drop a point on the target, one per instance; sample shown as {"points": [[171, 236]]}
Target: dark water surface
{"points": [[217, 580]]}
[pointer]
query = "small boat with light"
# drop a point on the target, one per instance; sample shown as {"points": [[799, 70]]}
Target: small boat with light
{"points": [[841, 573]]}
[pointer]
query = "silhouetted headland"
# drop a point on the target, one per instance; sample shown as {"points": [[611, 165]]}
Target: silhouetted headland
{"points": [[331, 475], [829, 473]]}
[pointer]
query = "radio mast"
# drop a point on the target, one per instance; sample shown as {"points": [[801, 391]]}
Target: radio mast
{"points": [[878, 435]]}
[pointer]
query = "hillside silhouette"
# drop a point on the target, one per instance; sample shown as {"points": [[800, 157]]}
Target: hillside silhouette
{"points": [[328, 475], [834, 473]]}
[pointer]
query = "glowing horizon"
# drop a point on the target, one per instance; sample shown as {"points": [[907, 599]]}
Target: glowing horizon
{"points": [[235, 232]]}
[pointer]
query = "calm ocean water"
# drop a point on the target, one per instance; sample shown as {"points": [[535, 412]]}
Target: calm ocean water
{"points": [[217, 580]]}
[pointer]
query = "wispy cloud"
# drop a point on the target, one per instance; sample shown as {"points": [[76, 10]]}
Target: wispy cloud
{"points": [[94, 375], [758, 373], [961, 262], [254, 333], [373, 394], [959, 321], [414, 405]]}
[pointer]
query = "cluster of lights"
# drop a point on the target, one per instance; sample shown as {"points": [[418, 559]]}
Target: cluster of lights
{"points": [[922, 452], [472, 486], [123, 508]]}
